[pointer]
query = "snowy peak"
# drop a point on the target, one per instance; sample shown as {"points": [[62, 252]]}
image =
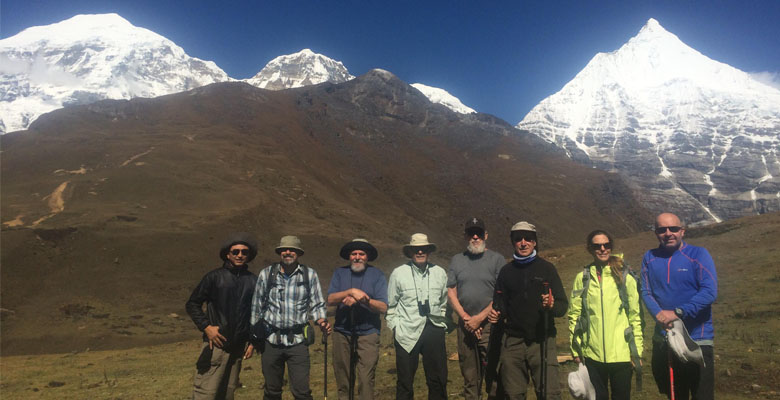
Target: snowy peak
{"points": [[83, 28], [698, 136], [300, 69], [441, 96], [88, 58]]}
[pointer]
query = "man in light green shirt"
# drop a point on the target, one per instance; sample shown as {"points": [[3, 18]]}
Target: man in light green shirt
{"points": [[417, 294]]}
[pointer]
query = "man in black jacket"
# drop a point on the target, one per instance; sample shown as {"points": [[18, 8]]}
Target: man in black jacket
{"points": [[522, 300], [227, 292]]}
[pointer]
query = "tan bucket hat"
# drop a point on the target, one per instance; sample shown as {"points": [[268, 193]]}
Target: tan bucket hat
{"points": [[418, 240], [290, 242]]}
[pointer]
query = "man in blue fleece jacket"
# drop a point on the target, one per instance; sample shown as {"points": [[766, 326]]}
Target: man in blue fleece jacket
{"points": [[679, 282]]}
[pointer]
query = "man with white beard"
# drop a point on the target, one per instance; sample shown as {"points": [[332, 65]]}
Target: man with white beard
{"points": [[470, 283], [359, 290]]}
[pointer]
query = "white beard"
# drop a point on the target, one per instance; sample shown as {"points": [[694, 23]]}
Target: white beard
{"points": [[357, 267], [476, 249]]}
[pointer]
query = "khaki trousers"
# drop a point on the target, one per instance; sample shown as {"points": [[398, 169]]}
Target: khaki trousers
{"points": [[521, 361], [469, 363], [365, 368], [220, 379]]}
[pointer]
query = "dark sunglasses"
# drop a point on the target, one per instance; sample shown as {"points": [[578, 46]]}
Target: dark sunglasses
{"points": [[598, 246], [243, 252], [662, 229], [520, 236], [480, 234]]}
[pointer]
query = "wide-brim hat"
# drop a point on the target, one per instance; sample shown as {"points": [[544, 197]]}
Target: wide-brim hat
{"points": [[290, 242], [682, 345], [580, 386], [358, 244], [239, 238], [418, 240]]}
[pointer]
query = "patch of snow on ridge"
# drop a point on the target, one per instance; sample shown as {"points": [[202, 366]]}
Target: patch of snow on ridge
{"points": [[441, 96]]}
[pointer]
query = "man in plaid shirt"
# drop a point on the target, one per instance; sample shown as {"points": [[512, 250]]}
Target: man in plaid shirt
{"points": [[286, 294]]}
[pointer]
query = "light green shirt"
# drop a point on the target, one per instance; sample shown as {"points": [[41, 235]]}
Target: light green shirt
{"points": [[407, 285]]}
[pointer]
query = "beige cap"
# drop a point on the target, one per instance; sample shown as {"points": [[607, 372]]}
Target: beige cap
{"points": [[523, 226], [290, 242]]}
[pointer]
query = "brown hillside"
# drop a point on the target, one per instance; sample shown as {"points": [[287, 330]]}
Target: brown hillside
{"points": [[111, 212]]}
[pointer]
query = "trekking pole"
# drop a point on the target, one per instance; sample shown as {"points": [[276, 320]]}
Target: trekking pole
{"points": [[671, 370], [480, 366], [546, 321], [352, 355], [325, 365]]}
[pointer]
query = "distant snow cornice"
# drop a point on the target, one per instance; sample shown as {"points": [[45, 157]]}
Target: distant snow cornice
{"points": [[441, 96], [300, 69]]}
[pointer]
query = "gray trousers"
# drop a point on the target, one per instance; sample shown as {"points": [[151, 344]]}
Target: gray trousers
{"points": [[219, 378], [469, 363], [521, 361], [297, 359], [365, 368]]}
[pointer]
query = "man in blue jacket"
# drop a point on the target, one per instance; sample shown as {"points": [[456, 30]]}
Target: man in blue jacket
{"points": [[679, 282]]}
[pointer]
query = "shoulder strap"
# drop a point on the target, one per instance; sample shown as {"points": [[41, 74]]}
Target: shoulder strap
{"points": [[629, 332], [581, 327], [270, 281]]}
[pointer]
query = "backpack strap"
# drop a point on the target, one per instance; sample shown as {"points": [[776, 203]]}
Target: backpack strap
{"points": [[581, 327], [629, 332]]}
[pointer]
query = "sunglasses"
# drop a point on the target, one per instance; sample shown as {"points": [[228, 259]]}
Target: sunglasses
{"points": [[662, 229], [598, 246], [516, 237], [243, 252], [480, 234]]}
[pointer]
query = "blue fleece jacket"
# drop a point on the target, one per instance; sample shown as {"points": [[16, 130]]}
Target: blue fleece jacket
{"points": [[684, 279]]}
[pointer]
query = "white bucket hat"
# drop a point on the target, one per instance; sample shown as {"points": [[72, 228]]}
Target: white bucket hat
{"points": [[682, 345], [580, 386], [418, 240]]}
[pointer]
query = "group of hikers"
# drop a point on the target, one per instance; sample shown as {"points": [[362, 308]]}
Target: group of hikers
{"points": [[505, 331]]}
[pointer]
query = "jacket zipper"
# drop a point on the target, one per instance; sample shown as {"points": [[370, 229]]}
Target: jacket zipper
{"points": [[603, 328]]}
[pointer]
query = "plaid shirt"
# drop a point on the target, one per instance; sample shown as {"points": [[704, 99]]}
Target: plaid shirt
{"points": [[287, 303]]}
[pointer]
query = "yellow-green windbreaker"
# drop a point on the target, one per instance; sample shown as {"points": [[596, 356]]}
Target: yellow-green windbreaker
{"points": [[605, 341]]}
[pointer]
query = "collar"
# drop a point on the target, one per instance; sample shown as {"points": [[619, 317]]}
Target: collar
{"points": [[524, 260]]}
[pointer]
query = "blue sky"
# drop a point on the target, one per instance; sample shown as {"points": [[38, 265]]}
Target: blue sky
{"points": [[498, 57]]}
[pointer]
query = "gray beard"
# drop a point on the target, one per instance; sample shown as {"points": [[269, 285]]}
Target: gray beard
{"points": [[287, 263], [357, 267], [476, 249]]}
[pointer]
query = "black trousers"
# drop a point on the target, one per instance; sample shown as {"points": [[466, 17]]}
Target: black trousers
{"points": [[434, 354], [618, 375], [690, 380], [297, 359]]}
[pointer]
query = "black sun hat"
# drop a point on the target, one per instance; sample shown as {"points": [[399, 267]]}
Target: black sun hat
{"points": [[359, 244], [239, 238]]}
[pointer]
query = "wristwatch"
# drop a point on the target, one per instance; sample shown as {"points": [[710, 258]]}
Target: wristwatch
{"points": [[678, 312]]}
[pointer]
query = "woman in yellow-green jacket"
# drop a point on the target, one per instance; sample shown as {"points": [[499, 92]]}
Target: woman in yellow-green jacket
{"points": [[602, 338]]}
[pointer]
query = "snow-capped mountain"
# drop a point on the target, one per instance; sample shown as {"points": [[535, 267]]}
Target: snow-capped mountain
{"points": [[696, 136], [300, 69], [443, 97], [306, 68], [88, 58]]}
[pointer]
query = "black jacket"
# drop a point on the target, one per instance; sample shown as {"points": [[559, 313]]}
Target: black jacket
{"points": [[227, 292], [517, 296]]}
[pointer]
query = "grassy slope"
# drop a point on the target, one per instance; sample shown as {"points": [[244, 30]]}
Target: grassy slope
{"points": [[745, 252]]}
